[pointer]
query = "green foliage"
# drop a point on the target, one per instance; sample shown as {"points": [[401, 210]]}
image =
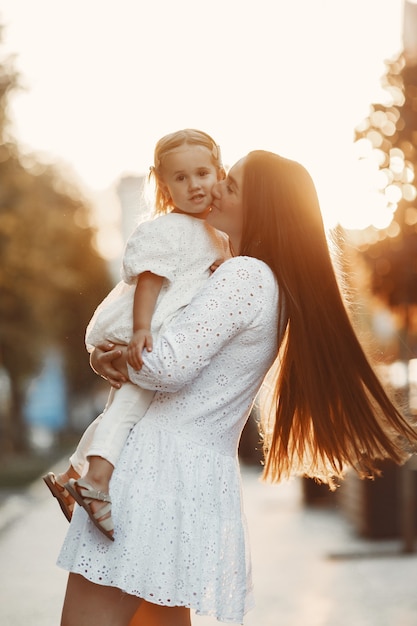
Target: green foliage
{"points": [[51, 276], [392, 131], [393, 261]]}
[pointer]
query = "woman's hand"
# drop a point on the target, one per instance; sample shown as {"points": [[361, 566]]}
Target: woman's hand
{"points": [[214, 266], [108, 360]]}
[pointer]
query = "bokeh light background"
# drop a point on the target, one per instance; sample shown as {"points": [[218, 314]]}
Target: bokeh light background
{"points": [[104, 79]]}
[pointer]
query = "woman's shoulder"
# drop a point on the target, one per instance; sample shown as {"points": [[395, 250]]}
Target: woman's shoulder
{"points": [[249, 264], [248, 269]]}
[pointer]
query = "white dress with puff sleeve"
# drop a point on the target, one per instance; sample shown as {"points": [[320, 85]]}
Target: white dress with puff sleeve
{"points": [[180, 530], [179, 247]]}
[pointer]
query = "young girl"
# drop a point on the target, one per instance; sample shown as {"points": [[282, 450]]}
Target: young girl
{"points": [[166, 260]]}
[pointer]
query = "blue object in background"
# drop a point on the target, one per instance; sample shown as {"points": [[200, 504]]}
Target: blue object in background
{"points": [[46, 398]]}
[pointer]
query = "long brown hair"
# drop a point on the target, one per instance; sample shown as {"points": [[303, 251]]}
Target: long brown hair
{"points": [[329, 409]]}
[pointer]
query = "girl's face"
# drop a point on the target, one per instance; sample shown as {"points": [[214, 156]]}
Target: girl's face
{"points": [[188, 175], [227, 208]]}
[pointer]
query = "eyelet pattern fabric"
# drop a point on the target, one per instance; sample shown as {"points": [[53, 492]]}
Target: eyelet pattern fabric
{"points": [[180, 530]]}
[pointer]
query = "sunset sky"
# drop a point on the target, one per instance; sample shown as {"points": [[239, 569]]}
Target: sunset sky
{"points": [[105, 79]]}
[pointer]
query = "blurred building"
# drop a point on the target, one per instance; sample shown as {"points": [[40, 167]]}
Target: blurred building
{"points": [[131, 191], [410, 31], [46, 406]]}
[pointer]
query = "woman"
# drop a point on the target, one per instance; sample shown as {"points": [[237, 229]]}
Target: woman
{"points": [[180, 533]]}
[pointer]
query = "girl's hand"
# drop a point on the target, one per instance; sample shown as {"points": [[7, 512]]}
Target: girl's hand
{"points": [[109, 361], [141, 340]]}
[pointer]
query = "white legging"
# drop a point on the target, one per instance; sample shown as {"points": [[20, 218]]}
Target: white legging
{"points": [[107, 434]]}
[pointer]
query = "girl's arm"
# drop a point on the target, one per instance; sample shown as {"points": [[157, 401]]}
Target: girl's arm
{"points": [[147, 291]]}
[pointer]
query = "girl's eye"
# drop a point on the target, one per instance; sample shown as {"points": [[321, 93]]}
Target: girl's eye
{"points": [[180, 178], [203, 173]]}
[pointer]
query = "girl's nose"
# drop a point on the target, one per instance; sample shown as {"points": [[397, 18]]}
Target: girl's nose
{"points": [[194, 182]]}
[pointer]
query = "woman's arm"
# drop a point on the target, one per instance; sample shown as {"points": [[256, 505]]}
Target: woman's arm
{"points": [[227, 304], [241, 292], [109, 361]]}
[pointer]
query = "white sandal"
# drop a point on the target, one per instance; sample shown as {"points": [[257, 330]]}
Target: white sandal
{"points": [[84, 494]]}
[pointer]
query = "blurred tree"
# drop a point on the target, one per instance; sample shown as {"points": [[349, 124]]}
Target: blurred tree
{"points": [[51, 276], [390, 132], [388, 140]]}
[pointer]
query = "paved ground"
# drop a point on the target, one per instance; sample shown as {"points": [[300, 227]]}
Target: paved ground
{"points": [[310, 569]]}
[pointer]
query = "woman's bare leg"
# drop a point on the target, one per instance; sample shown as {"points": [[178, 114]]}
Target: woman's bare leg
{"points": [[87, 604], [154, 615]]}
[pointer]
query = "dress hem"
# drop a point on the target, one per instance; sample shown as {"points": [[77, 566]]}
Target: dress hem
{"points": [[151, 599]]}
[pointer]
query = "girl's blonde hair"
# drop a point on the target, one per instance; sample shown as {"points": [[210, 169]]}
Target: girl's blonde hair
{"points": [[169, 143]]}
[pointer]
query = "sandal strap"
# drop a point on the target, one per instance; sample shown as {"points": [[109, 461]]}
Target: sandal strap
{"points": [[106, 523], [59, 491], [88, 492], [59, 485], [85, 494]]}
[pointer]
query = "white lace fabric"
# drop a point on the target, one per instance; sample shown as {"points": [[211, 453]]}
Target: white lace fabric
{"points": [[180, 530], [178, 247]]}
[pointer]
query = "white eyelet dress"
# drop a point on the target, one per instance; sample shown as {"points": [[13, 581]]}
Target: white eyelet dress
{"points": [[180, 248], [180, 530]]}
